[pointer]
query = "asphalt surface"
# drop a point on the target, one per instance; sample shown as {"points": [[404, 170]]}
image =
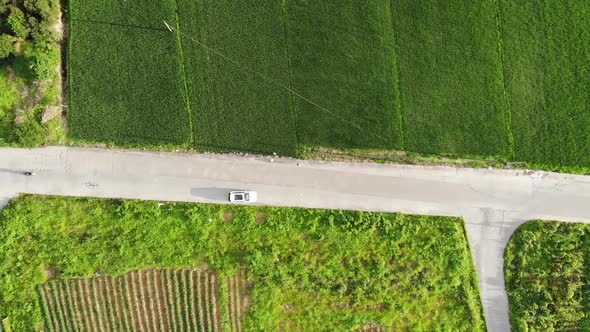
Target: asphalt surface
{"points": [[493, 202]]}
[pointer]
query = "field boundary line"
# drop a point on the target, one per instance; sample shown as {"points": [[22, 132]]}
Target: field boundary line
{"points": [[507, 100], [399, 109], [283, 86], [290, 69], [184, 79]]}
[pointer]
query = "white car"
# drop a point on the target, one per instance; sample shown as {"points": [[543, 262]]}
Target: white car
{"points": [[242, 196]]}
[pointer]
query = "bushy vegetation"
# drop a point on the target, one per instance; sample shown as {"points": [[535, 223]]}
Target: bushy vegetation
{"points": [[313, 270], [547, 47], [546, 270], [29, 70]]}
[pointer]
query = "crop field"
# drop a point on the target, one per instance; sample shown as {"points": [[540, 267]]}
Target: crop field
{"points": [[547, 47], [547, 277], [270, 268], [126, 84], [240, 301], [342, 56], [143, 300], [233, 106], [438, 77], [451, 77]]}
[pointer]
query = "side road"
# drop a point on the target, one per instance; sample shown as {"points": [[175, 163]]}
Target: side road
{"points": [[493, 202]]}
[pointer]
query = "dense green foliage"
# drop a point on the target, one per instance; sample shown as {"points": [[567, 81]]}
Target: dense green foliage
{"points": [[29, 65], [547, 47], [125, 79], [333, 270], [494, 78], [546, 271]]}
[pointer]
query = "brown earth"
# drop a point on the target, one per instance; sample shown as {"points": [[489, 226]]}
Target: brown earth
{"points": [[147, 300]]}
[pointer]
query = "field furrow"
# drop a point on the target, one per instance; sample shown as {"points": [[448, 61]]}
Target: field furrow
{"points": [[126, 324], [170, 290], [238, 288], [115, 300], [74, 297], [201, 300], [111, 303], [231, 303], [216, 322], [99, 304], [132, 302], [145, 299], [82, 303], [153, 308], [180, 299], [50, 309], [208, 316], [161, 299], [140, 298], [90, 305], [191, 303], [65, 304], [194, 281], [61, 312]]}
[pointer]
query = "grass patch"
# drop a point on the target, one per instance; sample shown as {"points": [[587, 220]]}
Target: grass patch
{"points": [[320, 269], [547, 47], [546, 272]]}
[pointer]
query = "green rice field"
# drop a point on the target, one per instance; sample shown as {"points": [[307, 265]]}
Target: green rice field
{"points": [[494, 78]]}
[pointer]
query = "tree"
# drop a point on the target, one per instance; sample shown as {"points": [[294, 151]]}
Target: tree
{"points": [[44, 8], [7, 46], [43, 60], [4, 6], [18, 23]]}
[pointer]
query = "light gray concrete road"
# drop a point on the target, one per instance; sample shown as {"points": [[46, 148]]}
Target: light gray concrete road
{"points": [[493, 202]]}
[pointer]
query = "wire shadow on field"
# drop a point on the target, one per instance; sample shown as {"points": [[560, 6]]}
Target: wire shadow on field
{"points": [[273, 81]]}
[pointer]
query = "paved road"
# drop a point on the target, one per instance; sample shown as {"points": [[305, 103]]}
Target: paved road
{"points": [[493, 202]]}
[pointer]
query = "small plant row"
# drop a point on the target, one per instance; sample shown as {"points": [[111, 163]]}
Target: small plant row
{"points": [[238, 299], [141, 300]]}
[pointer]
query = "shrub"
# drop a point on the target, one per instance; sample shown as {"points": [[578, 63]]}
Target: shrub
{"points": [[6, 46], [43, 60], [17, 22], [30, 133]]}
